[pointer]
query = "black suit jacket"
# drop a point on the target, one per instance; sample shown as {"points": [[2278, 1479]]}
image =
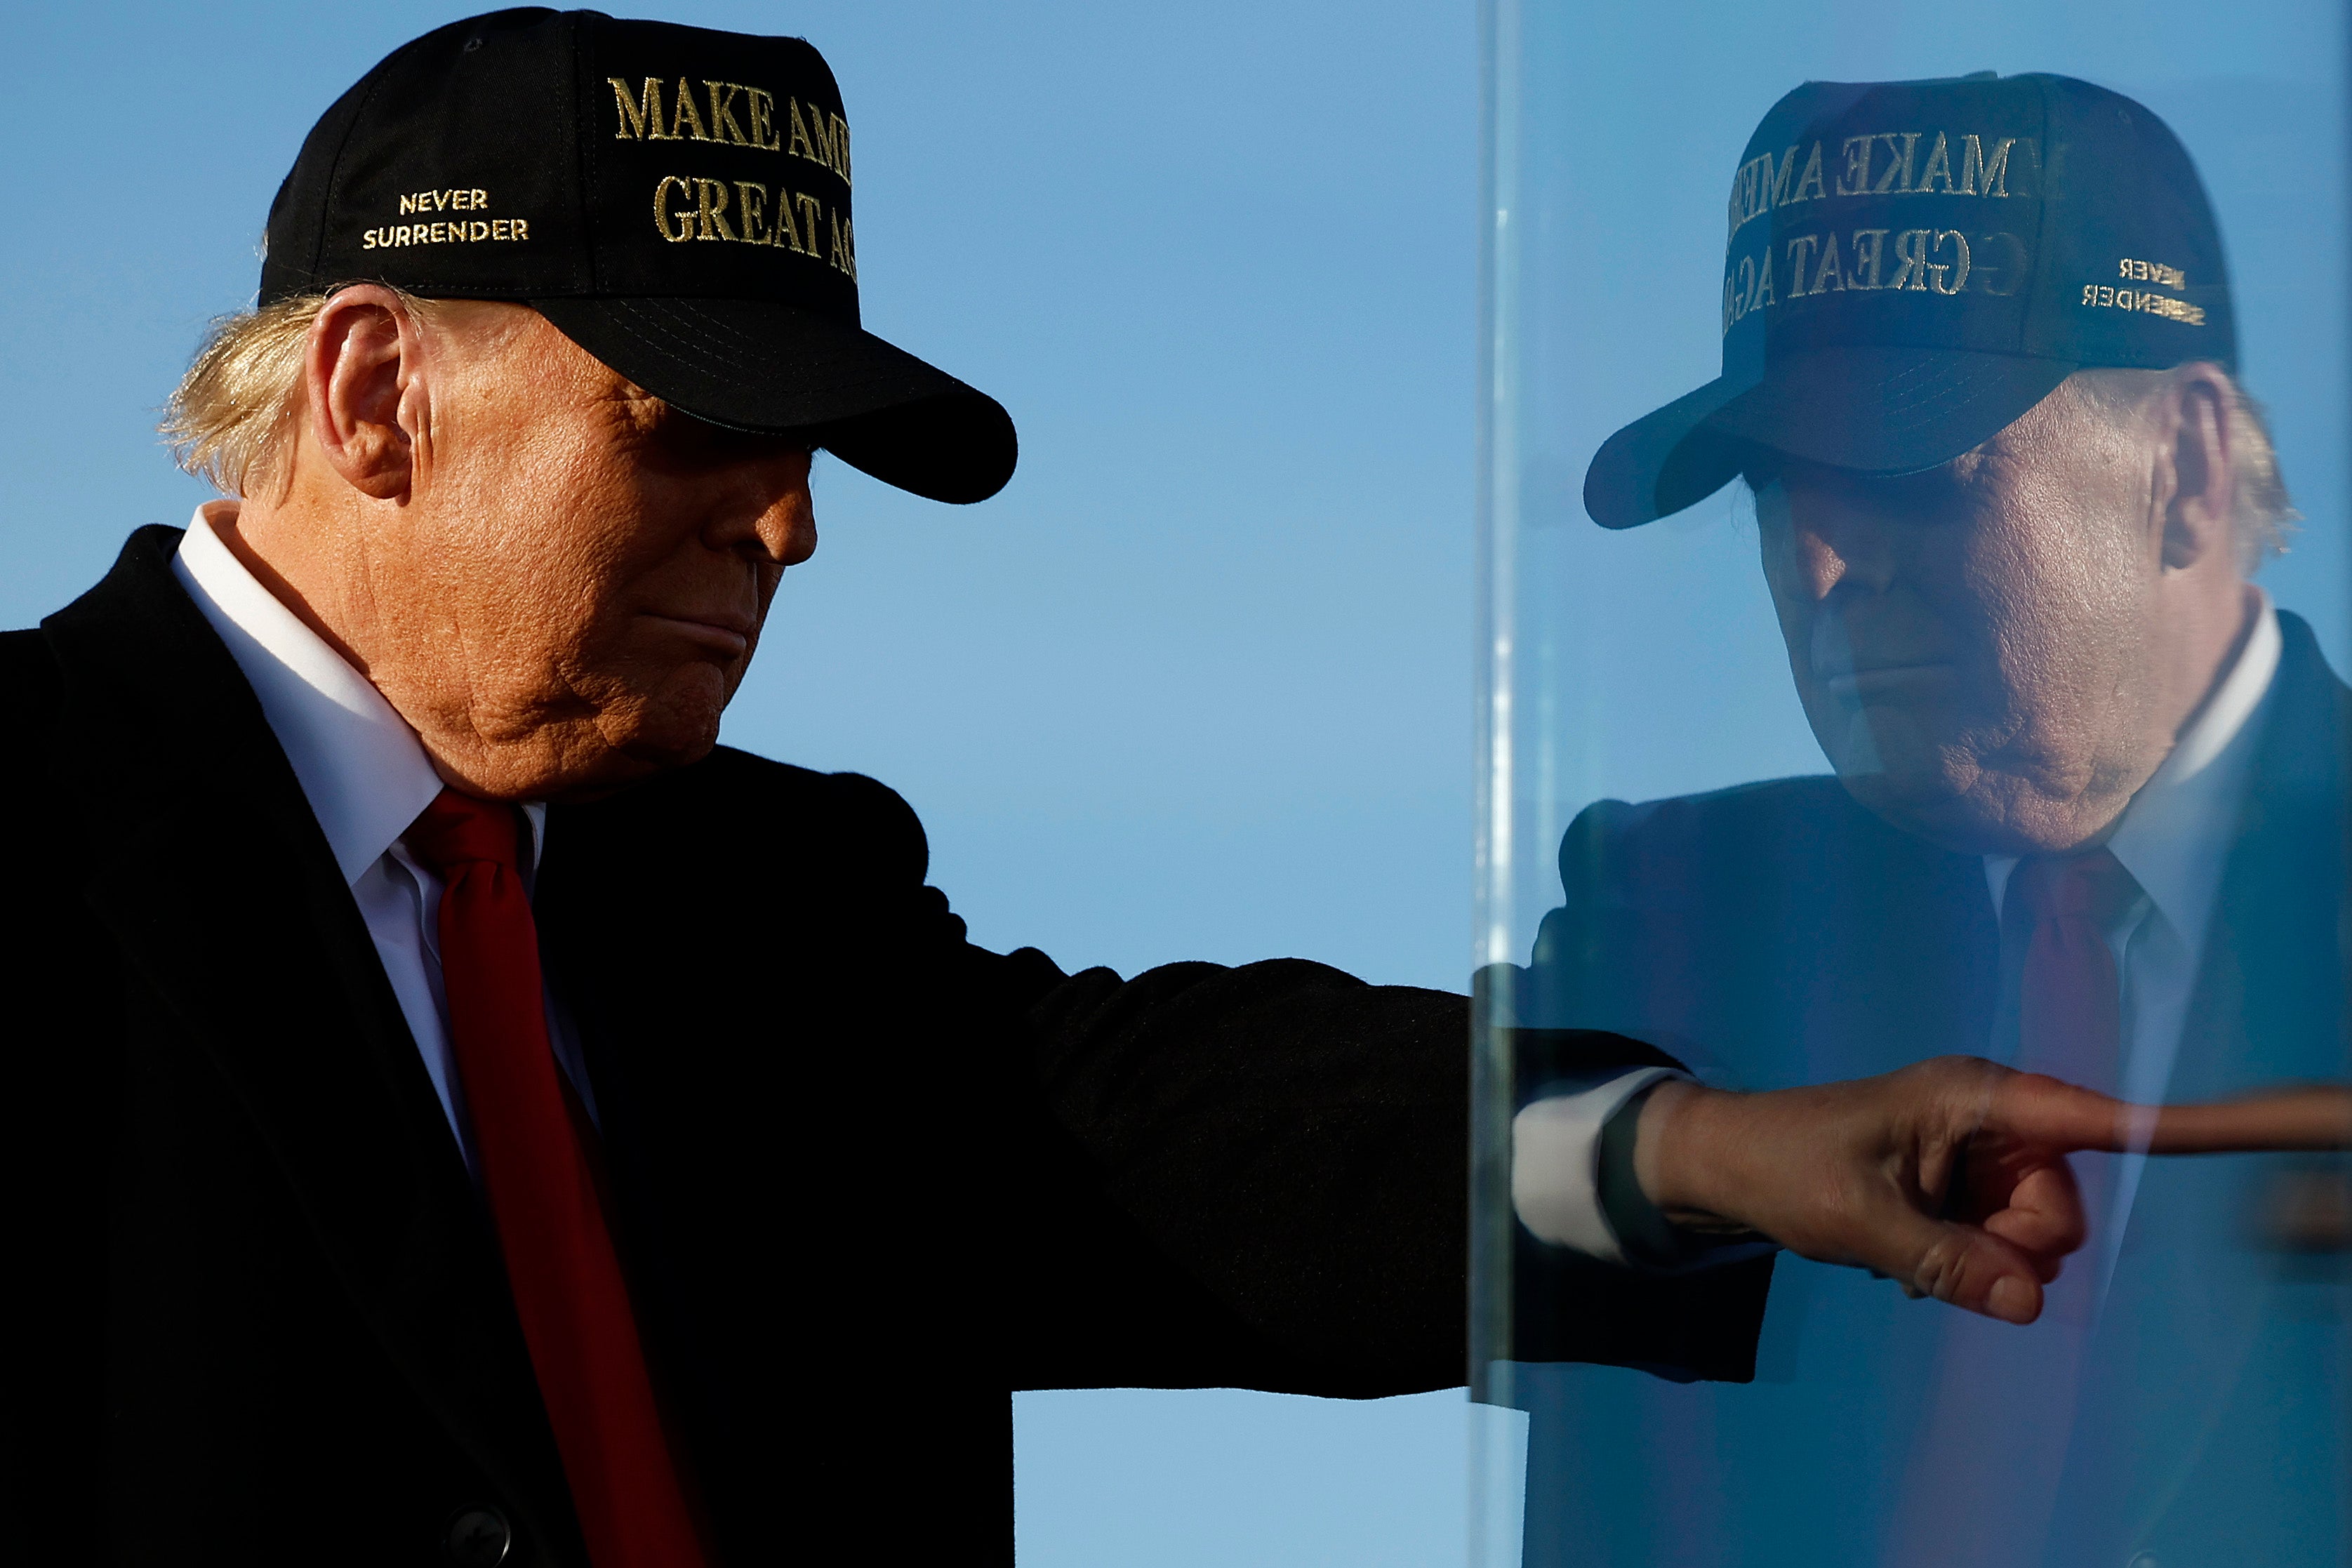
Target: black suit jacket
{"points": [[869, 1179], [1778, 933]]}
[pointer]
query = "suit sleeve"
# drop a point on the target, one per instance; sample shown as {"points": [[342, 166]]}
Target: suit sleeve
{"points": [[1200, 1176], [1256, 1177]]}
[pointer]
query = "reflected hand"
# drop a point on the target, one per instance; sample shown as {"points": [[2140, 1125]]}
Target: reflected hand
{"points": [[1949, 1177]]}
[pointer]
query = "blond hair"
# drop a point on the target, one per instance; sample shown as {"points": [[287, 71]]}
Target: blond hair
{"points": [[231, 421], [2262, 515]]}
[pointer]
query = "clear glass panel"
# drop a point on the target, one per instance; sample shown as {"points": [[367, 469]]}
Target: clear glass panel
{"points": [[2010, 658]]}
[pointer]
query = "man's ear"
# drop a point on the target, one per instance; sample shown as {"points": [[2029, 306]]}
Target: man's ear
{"points": [[2193, 419], [364, 374]]}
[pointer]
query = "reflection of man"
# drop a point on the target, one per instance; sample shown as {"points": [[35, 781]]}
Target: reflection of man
{"points": [[1978, 371], [338, 1234]]}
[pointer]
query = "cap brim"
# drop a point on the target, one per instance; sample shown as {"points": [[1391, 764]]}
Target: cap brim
{"points": [[1874, 410], [754, 365]]}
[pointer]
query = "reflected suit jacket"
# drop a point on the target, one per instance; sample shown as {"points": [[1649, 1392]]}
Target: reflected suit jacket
{"points": [[868, 1179], [1778, 933]]}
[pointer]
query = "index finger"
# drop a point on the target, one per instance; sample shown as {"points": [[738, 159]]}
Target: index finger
{"points": [[2303, 1116], [2058, 1115]]}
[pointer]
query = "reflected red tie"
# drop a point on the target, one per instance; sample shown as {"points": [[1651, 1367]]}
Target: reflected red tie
{"points": [[1982, 1483], [2070, 1010], [543, 1199]]}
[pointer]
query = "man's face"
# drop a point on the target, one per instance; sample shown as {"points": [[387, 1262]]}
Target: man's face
{"points": [[580, 573], [1975, 645]]}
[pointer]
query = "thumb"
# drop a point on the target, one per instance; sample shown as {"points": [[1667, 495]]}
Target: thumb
{"points": [[1959, 1264]]}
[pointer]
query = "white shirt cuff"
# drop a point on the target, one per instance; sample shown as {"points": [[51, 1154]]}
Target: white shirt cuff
{"points": [[1556, 1164]]}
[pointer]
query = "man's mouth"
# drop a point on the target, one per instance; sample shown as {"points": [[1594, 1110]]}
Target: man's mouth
{"points": [[728, 636], [1894, 656], [1884, 680]]}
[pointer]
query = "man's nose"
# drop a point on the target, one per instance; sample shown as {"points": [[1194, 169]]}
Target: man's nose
{"points": [[768, 514], [1844, 553], [787, 530]]}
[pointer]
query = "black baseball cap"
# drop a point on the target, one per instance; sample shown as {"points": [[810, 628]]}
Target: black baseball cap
{"points": [[676, 200], [1910, 265]]}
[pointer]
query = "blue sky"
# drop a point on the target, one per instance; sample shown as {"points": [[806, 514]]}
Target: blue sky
{"points": [[1196, 685]]}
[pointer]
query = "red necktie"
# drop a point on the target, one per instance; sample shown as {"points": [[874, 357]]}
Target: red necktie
{"points": [[2070, 1017], [544, 1198], [2069, 1007], [1982, 1485]]}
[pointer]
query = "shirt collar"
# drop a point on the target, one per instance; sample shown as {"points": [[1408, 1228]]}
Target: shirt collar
{"points": [[2174, 837], [362, 769]]}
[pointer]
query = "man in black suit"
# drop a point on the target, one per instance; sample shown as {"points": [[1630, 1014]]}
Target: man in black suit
{"points": [[2087, 818], [458, 1113]]}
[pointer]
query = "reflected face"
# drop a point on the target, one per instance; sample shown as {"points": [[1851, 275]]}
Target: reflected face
{"points": [[1975, 645]]}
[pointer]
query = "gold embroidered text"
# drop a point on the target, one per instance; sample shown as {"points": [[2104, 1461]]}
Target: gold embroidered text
{"points": [[731, 114], [743, 212]]}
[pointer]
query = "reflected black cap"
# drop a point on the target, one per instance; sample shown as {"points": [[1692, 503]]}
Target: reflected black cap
{"points": [[1910, 265], [676, 200]]}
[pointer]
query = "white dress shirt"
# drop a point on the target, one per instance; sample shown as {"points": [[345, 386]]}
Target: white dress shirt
{"points": [[2174, 838], [367, 777]]}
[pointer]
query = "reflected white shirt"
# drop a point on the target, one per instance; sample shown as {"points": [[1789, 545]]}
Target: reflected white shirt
{"points": [[366, 777], [2174, 838]]}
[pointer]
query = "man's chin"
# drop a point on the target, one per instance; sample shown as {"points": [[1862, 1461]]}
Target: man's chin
{"points": [[1905, 770], [639, 744], [673, 725], [1984, 819], [1941, 816], [678, 742], [621, 767]]}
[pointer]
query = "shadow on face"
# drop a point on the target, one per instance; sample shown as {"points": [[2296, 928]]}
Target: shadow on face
{"points": [[1989, 651]]}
